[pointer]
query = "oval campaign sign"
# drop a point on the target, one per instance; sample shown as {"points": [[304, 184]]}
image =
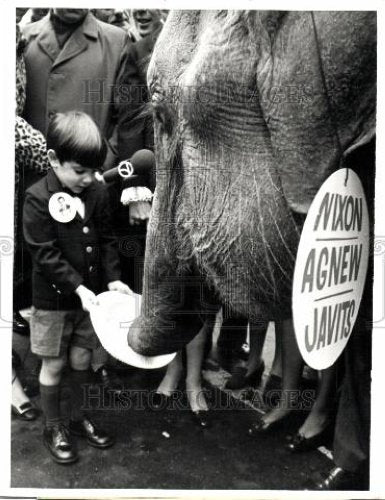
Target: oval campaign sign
{"points": [[330, 269]]}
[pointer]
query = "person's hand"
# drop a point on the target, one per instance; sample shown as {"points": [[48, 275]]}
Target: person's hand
{"points": [[87, 297], [119, 286], [139, 211]]}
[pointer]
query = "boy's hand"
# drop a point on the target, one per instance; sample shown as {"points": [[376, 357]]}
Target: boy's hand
{"points": [[87, 297], [119, 286]]}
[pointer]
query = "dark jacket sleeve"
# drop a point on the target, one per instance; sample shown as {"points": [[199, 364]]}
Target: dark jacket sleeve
{"points": [[134, 115], [40, 235], [113, 140], [108, 243]]}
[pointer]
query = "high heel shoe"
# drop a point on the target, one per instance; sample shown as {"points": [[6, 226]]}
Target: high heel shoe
{"points": [[26, 411], [261, 427], [159, 401], [299, 443], [202, 418]]}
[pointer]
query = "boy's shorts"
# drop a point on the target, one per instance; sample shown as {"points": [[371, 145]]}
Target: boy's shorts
{"points": [[53, 331]]}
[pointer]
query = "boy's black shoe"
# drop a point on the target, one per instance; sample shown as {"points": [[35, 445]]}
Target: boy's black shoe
{"points": [[95, 436], [57, 441]]}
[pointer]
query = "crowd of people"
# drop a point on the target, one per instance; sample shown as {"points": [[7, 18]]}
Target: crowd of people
{"points": [[73, 122]]}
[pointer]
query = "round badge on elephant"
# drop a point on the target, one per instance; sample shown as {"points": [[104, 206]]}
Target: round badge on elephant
{"points": [[330, 270], [61, 207]]}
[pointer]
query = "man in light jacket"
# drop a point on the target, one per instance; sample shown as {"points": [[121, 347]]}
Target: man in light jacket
{"points": [[73, 62]]}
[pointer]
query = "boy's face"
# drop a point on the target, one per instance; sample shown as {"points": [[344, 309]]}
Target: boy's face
{"points": [[71, 174]]}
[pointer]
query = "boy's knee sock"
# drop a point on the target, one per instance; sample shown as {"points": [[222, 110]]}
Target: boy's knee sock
{"points": [[65, 398], [50, 404], [79, 381]]}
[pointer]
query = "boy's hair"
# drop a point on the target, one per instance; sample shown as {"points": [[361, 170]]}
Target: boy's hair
{"points": [[74, 136]]}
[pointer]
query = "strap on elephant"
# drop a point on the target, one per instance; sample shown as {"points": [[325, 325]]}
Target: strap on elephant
{"points": [[329, 104]]}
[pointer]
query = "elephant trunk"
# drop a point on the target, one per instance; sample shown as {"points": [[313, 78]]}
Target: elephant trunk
{"points": [[172, 291]]}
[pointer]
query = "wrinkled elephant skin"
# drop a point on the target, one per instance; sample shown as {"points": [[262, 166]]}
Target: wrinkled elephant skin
{"points": [[245, 135]]}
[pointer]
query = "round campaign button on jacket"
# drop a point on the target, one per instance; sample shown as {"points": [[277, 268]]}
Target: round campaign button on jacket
{"points": [[61, 207]]}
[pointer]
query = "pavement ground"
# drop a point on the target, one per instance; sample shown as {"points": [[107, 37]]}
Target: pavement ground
{"points": [[165, 449]]}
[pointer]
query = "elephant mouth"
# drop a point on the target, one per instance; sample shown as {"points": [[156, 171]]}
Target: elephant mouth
{"points": [[155, 334]]}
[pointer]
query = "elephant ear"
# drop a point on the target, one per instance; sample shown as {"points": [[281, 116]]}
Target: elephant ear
{"points": [[316, 79]]}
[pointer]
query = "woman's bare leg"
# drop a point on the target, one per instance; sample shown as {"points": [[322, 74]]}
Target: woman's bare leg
{"points": [[194, 355], [291, 369], [319, 417], [172, 376]]}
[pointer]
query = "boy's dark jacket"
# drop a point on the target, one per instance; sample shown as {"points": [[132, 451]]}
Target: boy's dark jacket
{"points": [[65, 255]]}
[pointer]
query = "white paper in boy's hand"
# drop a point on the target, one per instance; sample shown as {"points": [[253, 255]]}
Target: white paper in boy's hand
{"points": [[111, 320]]}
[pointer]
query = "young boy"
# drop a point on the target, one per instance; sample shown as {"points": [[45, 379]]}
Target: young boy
{"points": [[74, 257]]}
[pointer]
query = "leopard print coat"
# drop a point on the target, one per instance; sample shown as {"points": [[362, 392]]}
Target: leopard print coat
{"points": [[30, 144]]}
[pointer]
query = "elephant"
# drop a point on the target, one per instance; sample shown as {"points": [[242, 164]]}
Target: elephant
{"points": [[253, 110]]}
